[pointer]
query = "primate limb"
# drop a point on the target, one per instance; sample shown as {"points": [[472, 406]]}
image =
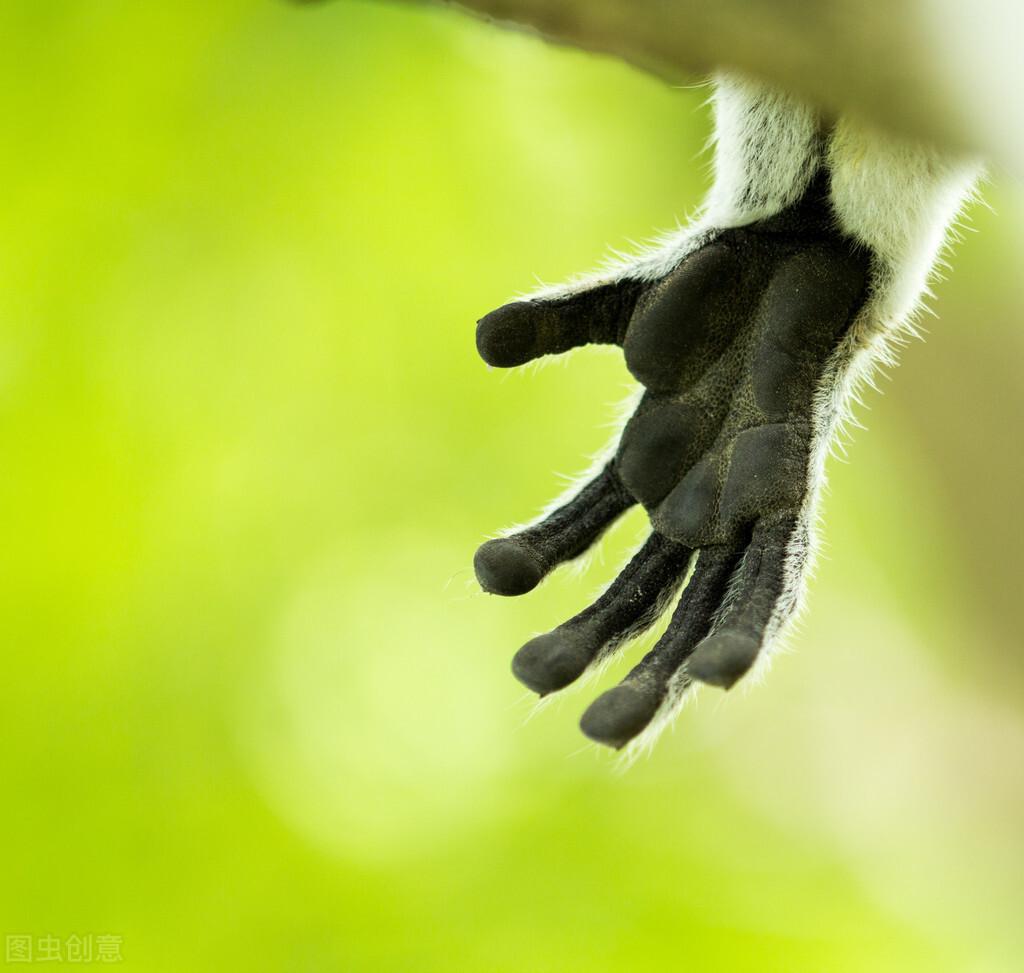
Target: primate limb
{"points": [[749, 333]]}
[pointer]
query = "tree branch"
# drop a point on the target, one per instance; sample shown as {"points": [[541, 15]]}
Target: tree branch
{"points": [[939, 70]]}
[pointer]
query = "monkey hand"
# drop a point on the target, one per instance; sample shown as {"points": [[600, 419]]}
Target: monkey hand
{"points": [[735, 346], [748, 333]]}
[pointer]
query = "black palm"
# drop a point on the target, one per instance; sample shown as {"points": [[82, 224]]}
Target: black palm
{"points": [[734, 348]]}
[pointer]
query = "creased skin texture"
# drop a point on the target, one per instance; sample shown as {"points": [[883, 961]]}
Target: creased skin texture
{"points": [[749, 333]]}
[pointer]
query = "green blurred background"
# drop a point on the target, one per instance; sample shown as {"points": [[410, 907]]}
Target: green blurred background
{"points": [[255, 714]]}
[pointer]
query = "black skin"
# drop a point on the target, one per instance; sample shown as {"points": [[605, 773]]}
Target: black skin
{"points": [[730, 346]]}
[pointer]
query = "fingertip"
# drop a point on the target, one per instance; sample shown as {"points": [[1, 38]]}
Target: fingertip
{"points": [[618, 715], [507, 336], [550, 662], [505, 567], [723, 659]]}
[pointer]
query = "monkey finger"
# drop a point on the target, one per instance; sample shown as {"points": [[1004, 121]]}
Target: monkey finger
{"points": [[517, 563], [633, 602], [524, 330], [618, 715], [757, 605]]}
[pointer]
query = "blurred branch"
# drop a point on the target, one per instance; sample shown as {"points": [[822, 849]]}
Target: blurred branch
{"points": [[940, 70]]}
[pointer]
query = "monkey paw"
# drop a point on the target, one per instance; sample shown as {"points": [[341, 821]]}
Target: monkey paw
{"points": [[737, 348]]}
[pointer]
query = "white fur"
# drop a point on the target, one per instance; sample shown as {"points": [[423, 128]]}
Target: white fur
{"points": [[767, 147], [899, 198], [895, 197]]}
